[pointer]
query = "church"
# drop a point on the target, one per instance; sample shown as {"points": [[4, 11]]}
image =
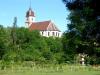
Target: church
{"points": [[46, 28]]}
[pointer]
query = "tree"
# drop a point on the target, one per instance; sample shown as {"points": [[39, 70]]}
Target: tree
{"points": [[84, 30], [55, 51], [2, 41], [13, 32], [21, 44]]}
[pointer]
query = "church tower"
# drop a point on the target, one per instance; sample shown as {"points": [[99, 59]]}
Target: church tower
{"points": [[30, 17]]}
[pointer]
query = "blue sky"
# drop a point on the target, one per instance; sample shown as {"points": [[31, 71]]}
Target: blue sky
{"points": [[53, 10]]}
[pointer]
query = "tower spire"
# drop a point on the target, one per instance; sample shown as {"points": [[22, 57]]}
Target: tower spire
{"points": [[30, 17], [30, 3]]}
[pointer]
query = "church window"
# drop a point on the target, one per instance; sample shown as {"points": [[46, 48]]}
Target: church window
{"points": [[42, 33], [53, 33], [48, 33], [27, 19], [56, 33]]}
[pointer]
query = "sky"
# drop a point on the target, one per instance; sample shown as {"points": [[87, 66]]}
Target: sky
{"points": [[53, 10]]}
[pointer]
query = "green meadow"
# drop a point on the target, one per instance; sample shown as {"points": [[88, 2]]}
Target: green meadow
{"points": [[50, 70], [54, 73]]}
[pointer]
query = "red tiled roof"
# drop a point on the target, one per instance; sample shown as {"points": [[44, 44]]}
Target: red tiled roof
{"points": [[43, 26], [39, 25], [29, 13]]}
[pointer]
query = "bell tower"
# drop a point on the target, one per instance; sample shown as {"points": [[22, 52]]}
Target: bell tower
{"points": [[30, 17]]}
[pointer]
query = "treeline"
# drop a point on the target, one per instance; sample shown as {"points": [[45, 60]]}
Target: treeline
{"points": [[20, 44]]}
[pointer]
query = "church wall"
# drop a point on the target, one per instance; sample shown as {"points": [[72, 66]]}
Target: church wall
{"points": [[50, 33]]}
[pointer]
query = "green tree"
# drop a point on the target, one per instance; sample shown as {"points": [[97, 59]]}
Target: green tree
{"points": [[83, 30], [4, 40], [13, 32], [21, 44], [55, 51]]}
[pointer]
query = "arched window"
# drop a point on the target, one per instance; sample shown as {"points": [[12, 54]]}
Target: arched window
{"points": [[53, 33], [48, 33], [56, 34], [42, 32], [32, 19], [27, 19]]}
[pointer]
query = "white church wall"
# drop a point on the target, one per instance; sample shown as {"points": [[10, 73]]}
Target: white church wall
{"points": [[50, 33]]}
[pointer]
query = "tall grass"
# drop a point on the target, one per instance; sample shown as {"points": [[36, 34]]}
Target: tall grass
{"points": [[30, 66]]}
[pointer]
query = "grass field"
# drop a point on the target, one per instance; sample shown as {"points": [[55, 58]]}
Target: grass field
{"points": [[51, 70], [28, 72]]}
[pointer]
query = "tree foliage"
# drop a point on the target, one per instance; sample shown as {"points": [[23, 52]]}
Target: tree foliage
{"points": [[28, 45], [84, 30], [2, 41]]}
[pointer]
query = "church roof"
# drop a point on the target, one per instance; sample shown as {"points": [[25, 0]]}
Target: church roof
{"points": [[43, 26], [30, 13]]}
